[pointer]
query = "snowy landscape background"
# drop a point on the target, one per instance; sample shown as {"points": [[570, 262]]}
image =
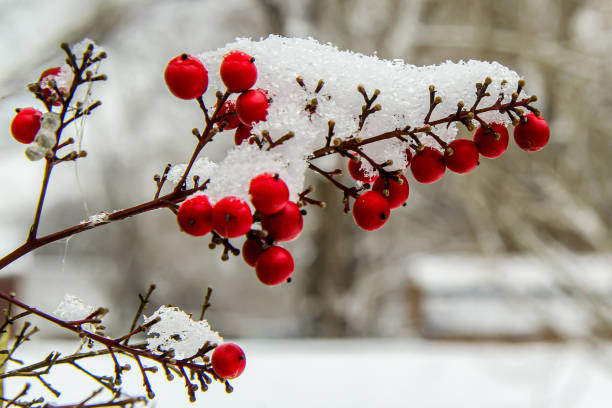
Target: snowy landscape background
{"points": [[489, 289]]}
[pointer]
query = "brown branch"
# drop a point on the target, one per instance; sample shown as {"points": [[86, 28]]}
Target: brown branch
{"points": [[206, 303], [144, 301], [161, 202]]}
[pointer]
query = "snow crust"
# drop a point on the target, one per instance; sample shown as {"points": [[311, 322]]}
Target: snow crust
{"points": [[404, 98], [177, 331]]}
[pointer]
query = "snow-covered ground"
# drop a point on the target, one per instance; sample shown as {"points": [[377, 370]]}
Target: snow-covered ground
{"points": [[364, 373]]}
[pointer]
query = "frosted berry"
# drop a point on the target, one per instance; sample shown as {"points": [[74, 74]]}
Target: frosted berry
{"points": [[428, 165], [228, 361], [397, 192], [371, 210], [238, 71], [284, 225], [492, 145], [252, 106], [408, 156], [274, 266], [231, 217], [43, 82], [532, 135], [186, 77], [243, 132], [195, 216], [251, 249], [25, 125], [269, 194], [228, 118], [461, 156], [358, 172]]}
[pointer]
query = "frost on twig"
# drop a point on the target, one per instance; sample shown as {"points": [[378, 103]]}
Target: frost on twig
{"points": [[176, 332]]}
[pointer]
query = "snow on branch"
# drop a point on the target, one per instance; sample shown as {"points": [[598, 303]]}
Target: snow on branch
{"points": [[297, 73]]}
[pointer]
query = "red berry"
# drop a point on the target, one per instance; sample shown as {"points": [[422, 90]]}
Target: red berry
{"points": [[492, 145], [532, 135], [252, 106], [284, 225], [398, 193], [238, 71], [25, 125], [269, 194], [228, 118], [371, 210], [195, 216], [428, 165], [251, 249], [228, 361], [461, 156], [231, 217], [408, 156], [274, 266], [186, 77], [43, 83], [358, 172], [242, 133]]}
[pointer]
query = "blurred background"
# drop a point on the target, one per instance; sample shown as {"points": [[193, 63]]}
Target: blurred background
{"points": [[516, 253]]}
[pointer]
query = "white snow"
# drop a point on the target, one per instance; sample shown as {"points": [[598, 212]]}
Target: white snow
{"points": [[177, 331]]}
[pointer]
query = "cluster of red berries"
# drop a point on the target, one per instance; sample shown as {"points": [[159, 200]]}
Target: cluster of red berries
{"points": [[371, 209], [462, 155], [187, 78], [228, 361], [281, 221]]}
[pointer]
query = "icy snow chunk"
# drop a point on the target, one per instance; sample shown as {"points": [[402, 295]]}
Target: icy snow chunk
{"points": [[71, 308], [178, 332], [404, 100]]}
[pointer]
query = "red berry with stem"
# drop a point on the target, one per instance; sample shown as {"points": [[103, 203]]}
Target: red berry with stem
{"points": [[231, 217], [25, 125], [533, 134], [274, 266], [252, 106], [428, 165], [238, 71], [371, 210], [461, 156], [251, 249], [284, 225], [243, 132], [228, 361], [492, 144], [227, 116], [43, 82], [186, 77], [195, 216], [397, 192], [269, 194], [357, 171]]}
